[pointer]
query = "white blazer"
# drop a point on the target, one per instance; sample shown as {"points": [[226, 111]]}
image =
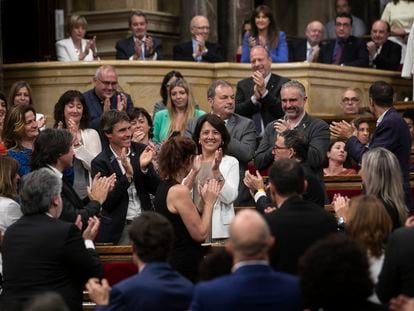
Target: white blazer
{"points": [[408, 67], [65, 51], [90, 148], [223, 210]]}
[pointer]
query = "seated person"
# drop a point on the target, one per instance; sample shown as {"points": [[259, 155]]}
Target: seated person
{"points": [[169, 78], [363, 130], [76, 48], [199, 49], [351, 102], [307, 49], [139, 46], [336, 158]]}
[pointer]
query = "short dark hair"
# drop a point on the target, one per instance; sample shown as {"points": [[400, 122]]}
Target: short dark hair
{"points": [[409, 114], [295, 139], [49, 146], [110, 118], [218, 124], [329, 268], [136, 112], [39, 188], [66, 99], [346, 15], [381, 93], [211, 91], [287, 176], [164, 86], [152, 235], [136, 13]]}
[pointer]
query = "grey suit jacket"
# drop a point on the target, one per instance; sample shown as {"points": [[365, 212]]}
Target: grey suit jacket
{"points": [[316, 133]]}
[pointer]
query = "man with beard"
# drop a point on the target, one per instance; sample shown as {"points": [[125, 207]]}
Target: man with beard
{"points": [[315, 131]]}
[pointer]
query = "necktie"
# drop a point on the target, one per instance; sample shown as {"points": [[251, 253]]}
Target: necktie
{"points": [[338, 52], [309, 56]]}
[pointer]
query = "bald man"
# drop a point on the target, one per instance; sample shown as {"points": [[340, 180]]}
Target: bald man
{"points": [[307, 49], [383, 53], [199, 49], [253, 285]]}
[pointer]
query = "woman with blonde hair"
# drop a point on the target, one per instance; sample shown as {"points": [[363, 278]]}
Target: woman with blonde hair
{"points": [[76, 48], [180, 109]]}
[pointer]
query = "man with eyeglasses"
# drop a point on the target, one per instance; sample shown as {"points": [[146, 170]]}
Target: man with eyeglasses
{"points": [[315, 131], [199, 49], [105, 95], [345, 50], [351, 103]]}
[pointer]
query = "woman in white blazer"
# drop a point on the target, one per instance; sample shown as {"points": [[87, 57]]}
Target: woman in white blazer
{"points": [[408, 67], [72, 113], [212, 139], [76, 48]]}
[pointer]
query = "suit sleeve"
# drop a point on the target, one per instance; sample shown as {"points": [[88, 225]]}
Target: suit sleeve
{"points": [[62, 53], [244, 104], [262, 203], [84, 262], [280, 53], [214, 54], [158, 48], [120, 51], [230, 172], [116, 301], [390, 61], [244, 147], [362, 56], [263, 156], [318, 145]]}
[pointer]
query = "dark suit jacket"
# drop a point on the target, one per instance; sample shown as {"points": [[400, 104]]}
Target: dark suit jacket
{"points": [[297, 50], [390, 56], [354, 53], [125, 48], [296, 225], [157, 287], [95, 106], [270, 109], [397, 274], [250, 287], [41, 253], [242, 145], [115, 208], [392, 134], [184, 51], [74, 206]]}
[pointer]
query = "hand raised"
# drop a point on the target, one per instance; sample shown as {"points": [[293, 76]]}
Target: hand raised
{"points": [[146, 156], [100, 187], [92, 229], [209, 191], [98, 291]]}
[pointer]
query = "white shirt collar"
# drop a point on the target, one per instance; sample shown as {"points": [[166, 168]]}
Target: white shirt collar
{"points": [[382, 116]]}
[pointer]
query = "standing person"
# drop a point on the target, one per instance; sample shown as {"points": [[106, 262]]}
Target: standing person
{"points": [[19, 133], [174, 201], [180, 110], [105, 95], [72, 113], [220, 96], [383, 53], [139, 46], [391, 133], [135, 177], [346, 49], [307, 49], [157, 286], [258, 97], [42, 253], [358, 25], [53, 149], [76, 48], [168, 79], [363, 130], [253, 284], [212, 140], [199, 49], [265, 32]]}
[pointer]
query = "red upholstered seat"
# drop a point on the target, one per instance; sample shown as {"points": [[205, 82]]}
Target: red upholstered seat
{"points": [[345, 192], [117, 271]]}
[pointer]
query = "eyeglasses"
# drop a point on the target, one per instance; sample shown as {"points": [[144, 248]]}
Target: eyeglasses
{"points": [[202, 27], [109, 83], [350, 99]]}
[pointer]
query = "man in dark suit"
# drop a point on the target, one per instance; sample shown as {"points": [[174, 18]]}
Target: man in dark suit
{"points": [[296, 223], [391, 133], [258, 97], [397, 274], [135, 177], [346, 50], [253, 285], [307, 49], [383, 54], [315, 131], [53, 149], [42, 253], [199, 49], [157, 286], [140, 46], [104, 96], [220, 96], [289, 144]]}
